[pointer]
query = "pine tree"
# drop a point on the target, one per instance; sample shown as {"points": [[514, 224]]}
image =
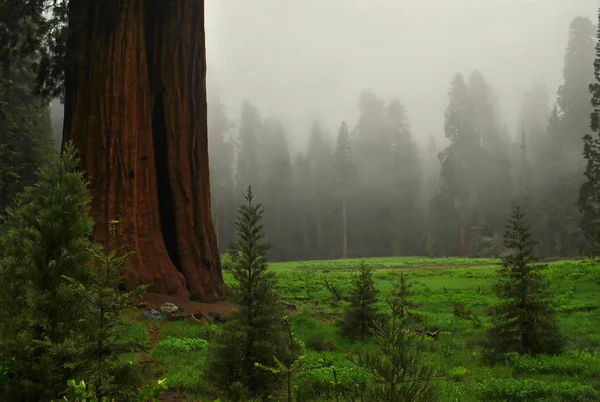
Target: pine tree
{"points": [[25, 131], [320, 158], [100, 346], [459, 160], [362, 313], [406, 172], [589, 194], [344, 174], [398, 298], [44, 240], [275, 180], [254, 334], [398, 368], [524, 321]]}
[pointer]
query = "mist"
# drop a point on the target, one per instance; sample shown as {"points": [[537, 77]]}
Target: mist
{"points": [[310, 59]]}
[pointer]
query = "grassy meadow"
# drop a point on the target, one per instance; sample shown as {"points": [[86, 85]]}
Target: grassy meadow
{"points": [[453, 294]]}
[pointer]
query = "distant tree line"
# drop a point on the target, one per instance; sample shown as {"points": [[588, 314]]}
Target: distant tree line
{"points": [[371, 190]]}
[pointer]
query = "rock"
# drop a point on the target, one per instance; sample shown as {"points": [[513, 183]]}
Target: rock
{"points": [[289, 306], [169, 308], [153, 314]]}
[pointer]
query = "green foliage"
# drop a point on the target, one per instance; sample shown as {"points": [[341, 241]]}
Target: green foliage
{"points": [[99, 341], [330, 382], [589, 193], [458, 373], [81, 392], [573, 363], [43, 241], [178, 345], [524, 321], [362, 312], [397, 367], [289, 371], [509, 389], [398, 298], [25, 132], [254, 333]]}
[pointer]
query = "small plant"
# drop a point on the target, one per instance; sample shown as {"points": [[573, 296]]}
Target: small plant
{"points": [[397, 367], [458, 373], [288, 370], [309, 280], [398, 298], [178, 345], [362, 313], [81, 392]]}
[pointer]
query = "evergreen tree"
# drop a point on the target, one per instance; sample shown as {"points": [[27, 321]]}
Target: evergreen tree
{"points": [[44, 240], [398, 368], [25, 130], [524, 321], [343, 177], [254, 334], [564, 160], [362, 313], [99, 344], [372, 146], [398, 298], [589, 194], [459, 162], [320, 158], [405, 171], [275, 181]]}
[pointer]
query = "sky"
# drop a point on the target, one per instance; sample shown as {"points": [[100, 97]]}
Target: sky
{"points": [[301, 60]]}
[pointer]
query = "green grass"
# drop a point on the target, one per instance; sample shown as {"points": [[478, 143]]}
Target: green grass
{"points": [[439, 284]]}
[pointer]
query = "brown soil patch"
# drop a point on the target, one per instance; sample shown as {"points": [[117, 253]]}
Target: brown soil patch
{"points": [[155, 300]]}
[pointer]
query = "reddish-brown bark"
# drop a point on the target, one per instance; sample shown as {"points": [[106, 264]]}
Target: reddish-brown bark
{"points": [[135, 107]]}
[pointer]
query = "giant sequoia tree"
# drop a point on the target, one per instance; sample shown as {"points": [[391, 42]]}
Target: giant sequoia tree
{"points": [[135, 106]]}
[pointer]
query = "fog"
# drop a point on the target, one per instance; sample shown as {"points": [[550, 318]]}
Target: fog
{"points": [[309, 59]]}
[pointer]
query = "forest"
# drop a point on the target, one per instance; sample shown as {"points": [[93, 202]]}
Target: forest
{"points": [[155, 247]]}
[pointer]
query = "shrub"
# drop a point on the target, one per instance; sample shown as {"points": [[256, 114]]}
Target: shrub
{"points": [[319, 342], [182, 345], [509, 389], [458, 373]]}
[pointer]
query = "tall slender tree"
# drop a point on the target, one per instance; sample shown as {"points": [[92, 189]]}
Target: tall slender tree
{"points": [[254, 334], [344, 175], [589, 194], [524, 321]]}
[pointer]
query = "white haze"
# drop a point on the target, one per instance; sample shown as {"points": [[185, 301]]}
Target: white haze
{"points": [[306, 59]]}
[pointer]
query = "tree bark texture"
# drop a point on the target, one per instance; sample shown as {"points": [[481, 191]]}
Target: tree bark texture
{"points": [[135, 107]]}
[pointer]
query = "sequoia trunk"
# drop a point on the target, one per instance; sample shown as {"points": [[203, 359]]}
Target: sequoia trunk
{"points": [[135, 107]]}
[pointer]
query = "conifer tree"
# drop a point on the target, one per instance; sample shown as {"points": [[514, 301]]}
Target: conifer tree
{"points": [[362, 313], [25, 130], [398, 368], [524, 321], [398, 298], [589, 194], [44, 240], [255, 333], [100, 346]]}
